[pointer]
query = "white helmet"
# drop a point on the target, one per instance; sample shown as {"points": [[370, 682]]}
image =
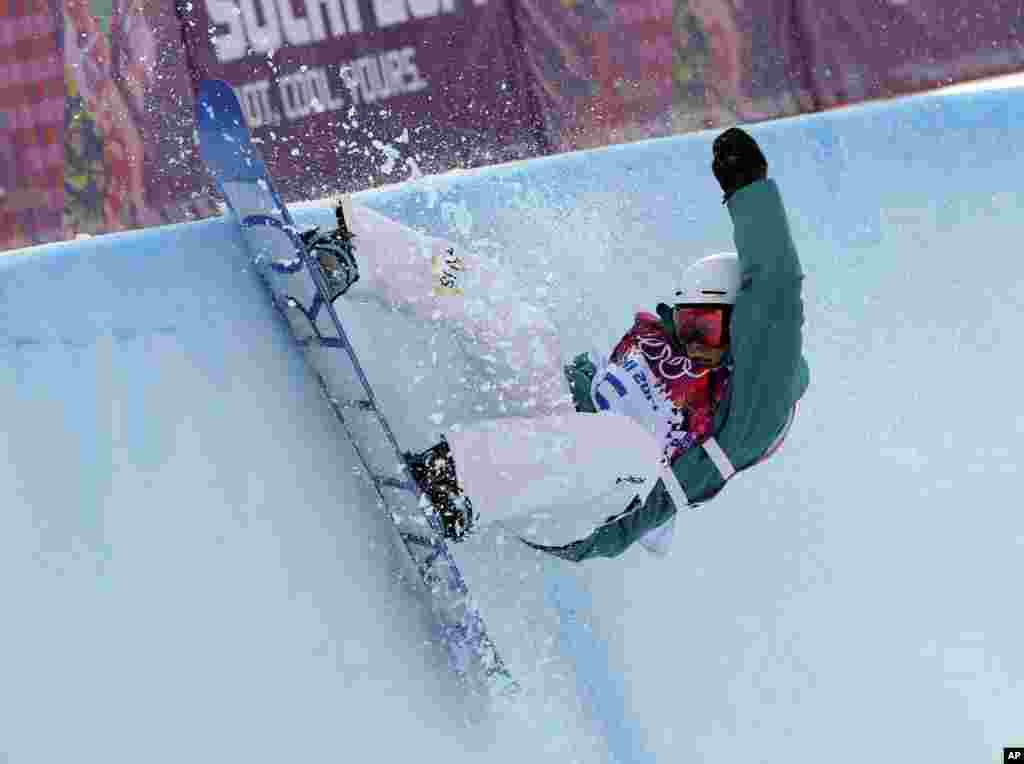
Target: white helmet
{"points": [[712, 280]]}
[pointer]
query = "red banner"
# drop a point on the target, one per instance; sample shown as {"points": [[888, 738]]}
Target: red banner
{"points": [[611, 70], [96, 130], [31, 124], [813, 56], [152, 72], [129, 156], [346, 94], [601, 71]]}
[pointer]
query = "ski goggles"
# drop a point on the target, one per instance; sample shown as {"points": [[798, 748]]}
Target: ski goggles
{"points": [[702, 324], [703, 331]]}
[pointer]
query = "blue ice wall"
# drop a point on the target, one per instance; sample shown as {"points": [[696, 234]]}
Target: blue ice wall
{"points": [[862, 587], [178, 577]]}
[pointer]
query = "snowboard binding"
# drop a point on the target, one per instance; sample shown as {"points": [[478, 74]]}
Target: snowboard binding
{"points": [[434, 472], [335, 254]]}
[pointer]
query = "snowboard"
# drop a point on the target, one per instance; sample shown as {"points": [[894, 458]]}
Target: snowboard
{"points": [[304, 294]]}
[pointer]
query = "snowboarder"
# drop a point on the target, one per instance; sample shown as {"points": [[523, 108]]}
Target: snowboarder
{"points": [[701, 389]]}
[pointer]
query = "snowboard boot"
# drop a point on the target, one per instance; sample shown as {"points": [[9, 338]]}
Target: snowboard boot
{"points": [[434, 472], [335, 253]]}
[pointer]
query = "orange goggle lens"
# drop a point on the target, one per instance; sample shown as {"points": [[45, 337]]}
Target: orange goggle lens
{"points": [[701, 324]]}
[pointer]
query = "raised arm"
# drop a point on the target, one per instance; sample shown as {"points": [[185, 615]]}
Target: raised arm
{"points": [[769, 371]]}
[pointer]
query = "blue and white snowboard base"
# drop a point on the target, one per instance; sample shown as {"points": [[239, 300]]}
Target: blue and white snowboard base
{"points": [[299, 289]]}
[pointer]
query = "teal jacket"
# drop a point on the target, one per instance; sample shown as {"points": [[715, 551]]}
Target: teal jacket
{"points": [[769, 372]]}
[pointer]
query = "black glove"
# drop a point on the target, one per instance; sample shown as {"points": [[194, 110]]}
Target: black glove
{"points": [[737, 162]]}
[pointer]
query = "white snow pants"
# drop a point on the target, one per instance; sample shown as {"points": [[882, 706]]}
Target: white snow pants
{"points": [[552, 477], [395, 265]]}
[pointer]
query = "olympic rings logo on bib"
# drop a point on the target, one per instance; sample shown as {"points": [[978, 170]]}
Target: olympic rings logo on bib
{"points": [[670, 366]]}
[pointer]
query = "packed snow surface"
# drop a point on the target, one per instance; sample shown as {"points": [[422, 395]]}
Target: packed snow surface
{"points": [[193, 568]]}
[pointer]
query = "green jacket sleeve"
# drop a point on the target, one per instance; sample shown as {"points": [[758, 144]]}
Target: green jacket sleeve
{"points": [[618, 532], [769, 371]]}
